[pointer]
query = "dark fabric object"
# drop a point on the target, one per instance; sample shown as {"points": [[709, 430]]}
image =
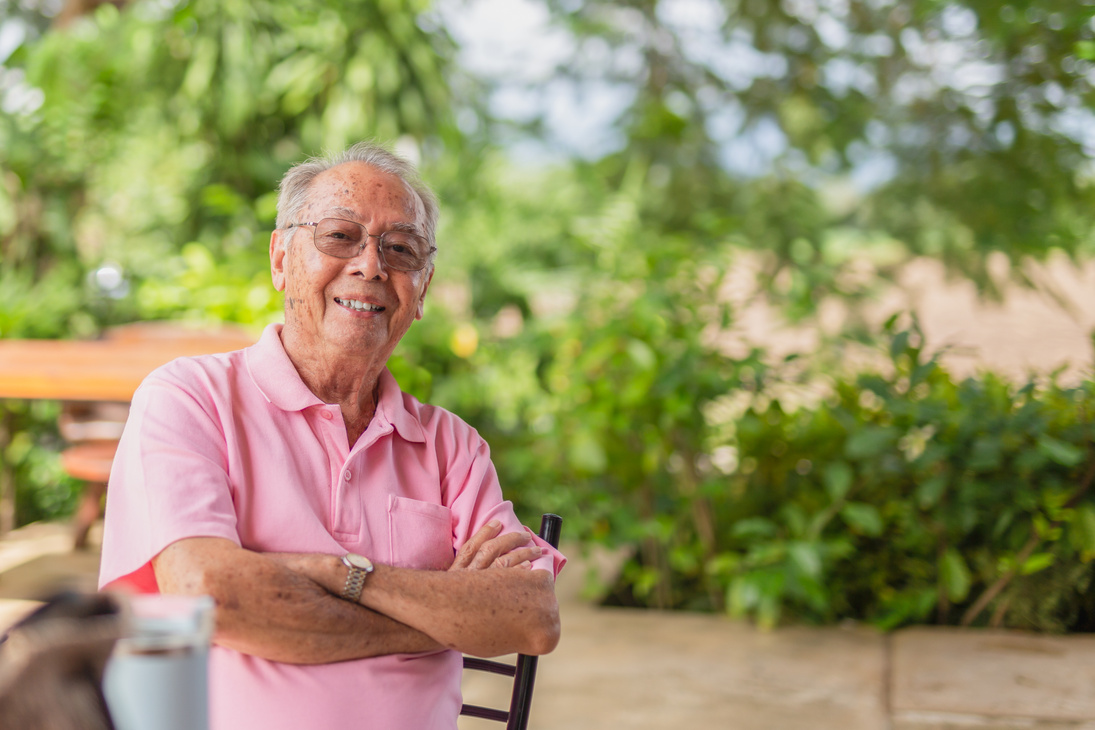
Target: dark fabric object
{"points": [[52, 662]]}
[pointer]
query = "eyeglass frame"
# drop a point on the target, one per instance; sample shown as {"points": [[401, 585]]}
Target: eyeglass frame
{"points": [[379, 248]]}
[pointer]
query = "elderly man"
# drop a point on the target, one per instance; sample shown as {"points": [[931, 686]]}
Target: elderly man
{"points": [[354, 540]]}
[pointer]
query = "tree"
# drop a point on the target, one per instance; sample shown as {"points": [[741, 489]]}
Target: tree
{"points": [[130, 134], [958, 128], [139, 154]]}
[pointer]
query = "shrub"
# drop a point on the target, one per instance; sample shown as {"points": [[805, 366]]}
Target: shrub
{"points": [[900, 497]]}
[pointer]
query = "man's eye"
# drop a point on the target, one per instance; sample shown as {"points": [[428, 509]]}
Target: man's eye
{"points": [[400, 244]]}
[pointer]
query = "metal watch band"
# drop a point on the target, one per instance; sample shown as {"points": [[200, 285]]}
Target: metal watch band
{"points": [[360, 567]]}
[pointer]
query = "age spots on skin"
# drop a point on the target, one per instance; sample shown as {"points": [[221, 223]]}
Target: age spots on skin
{"points": [[407, 198]]}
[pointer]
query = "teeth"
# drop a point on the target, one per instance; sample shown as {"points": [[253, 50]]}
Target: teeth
{"points": [[359, 306]]}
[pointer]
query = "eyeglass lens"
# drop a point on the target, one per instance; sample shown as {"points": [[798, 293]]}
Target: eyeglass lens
{"points": [[343, 239]]}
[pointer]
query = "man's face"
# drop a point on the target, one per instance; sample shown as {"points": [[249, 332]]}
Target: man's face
{"points": [[323, 294]]}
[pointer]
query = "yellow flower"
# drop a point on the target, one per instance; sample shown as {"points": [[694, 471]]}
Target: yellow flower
{"points": [[464, 341]]}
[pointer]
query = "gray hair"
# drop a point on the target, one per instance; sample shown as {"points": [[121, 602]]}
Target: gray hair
{"points": [[295, 185]]}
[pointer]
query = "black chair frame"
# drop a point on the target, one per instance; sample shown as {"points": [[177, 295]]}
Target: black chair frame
{"points": [[524, 672]]}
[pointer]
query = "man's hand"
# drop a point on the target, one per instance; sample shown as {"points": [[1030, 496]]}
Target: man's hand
{"points": [[487, 603], [486, 549]]}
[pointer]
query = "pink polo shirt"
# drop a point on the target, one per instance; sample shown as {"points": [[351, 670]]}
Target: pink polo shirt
{"points": [[236, 446]]}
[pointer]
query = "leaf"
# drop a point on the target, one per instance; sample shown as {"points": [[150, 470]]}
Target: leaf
{"points": [[1063, 453], [838, 479], [795, 519], [907, 606], [869, 442], [1037, 562], [768, 612], [203, 63], [1082, 529], [722, 564], [807, 558], [929, 491], [758, 589], [955, 575], [742, 595], [645, 581], [922, 371], [684, 559], [862, 518], [586, 455], [753, 527], [986, 454], [899, 344], [641, 354]]}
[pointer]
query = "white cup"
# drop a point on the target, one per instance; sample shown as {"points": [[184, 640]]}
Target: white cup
{"points": [[157, 678]]}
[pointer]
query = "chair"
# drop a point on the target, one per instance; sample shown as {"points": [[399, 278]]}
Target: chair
{"points": [[93, 430], [524, 672]]}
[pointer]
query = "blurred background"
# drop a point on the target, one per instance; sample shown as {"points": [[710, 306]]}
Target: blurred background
{"points": [[789, 304]]}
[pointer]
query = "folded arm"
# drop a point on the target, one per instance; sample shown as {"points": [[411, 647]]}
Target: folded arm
{"points": [[285, 607], [266, 609], [488, 603]]}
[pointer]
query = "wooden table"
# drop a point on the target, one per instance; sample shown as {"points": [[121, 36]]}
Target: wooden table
{"points": [[85, 372], [100, 370]]}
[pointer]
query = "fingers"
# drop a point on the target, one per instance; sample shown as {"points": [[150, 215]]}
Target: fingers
{"points": [[519, 557], [469, 550], [496, 548], [487, 549]]}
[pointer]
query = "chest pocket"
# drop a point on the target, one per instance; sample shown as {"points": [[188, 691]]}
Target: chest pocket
{"points": [[420, 534]]}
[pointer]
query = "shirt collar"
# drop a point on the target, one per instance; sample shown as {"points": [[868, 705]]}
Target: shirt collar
{"points": [[274, 375], [277, 379], [392, 407]]}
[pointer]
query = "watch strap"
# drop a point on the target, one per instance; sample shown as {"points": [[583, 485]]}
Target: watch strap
{"points": [[360, 567]]}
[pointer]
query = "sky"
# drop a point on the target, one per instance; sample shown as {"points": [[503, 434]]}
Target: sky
{"points": [[513, 45]]}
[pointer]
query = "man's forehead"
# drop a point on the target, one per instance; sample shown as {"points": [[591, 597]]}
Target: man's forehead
{"points": [[357, 183], [339, 212]]}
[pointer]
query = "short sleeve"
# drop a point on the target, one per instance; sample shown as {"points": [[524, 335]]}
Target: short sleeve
{"points": [[473, 493], [169, 480]]}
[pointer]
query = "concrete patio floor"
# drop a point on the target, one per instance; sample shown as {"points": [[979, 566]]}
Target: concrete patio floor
{"points": [[646, 669]]}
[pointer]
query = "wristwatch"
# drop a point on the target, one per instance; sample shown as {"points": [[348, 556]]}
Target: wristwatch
{"points": [[360, 567]]}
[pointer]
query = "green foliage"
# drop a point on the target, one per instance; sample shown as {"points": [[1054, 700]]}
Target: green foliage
{"points": [[164, 127], [956, 127], [899, 497], [28, 459]]}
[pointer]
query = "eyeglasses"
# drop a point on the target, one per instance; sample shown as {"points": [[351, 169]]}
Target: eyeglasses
{"points": [[344, 239]]}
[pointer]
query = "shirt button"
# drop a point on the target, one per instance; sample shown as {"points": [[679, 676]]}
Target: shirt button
{"points": [[326, 414], [346, 475]]}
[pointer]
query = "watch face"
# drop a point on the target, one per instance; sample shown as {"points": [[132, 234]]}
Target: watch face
{"points": [[359, 561]]}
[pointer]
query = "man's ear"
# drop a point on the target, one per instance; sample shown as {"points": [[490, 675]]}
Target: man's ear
{"points": [[277, 259], [422, 299]]}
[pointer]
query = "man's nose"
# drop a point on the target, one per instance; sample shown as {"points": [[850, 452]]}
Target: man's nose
{"points": [[369, 261]]}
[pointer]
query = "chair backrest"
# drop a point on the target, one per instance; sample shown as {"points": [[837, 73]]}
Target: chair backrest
{"points": [[524, 672]]}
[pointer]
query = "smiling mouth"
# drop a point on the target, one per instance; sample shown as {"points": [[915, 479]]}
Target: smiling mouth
{"points": [[359, 306]]}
